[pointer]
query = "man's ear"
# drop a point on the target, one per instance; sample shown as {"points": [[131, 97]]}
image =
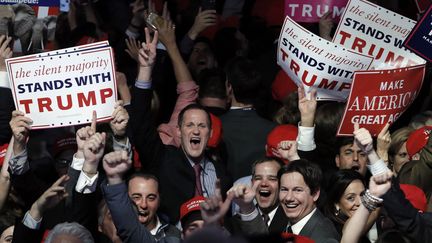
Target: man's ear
{"points": [[316, 195], [337, 160], [416, 156], [178, 131]]}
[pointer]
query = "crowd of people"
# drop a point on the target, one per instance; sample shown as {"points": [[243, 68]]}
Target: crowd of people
{"points": [[209, 140]]}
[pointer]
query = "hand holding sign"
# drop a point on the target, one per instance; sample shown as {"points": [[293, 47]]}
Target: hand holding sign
{"points": [[20, 126], [83, 134], [326, 25]]}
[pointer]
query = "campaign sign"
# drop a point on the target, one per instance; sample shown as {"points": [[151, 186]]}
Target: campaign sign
{"points": [[63, 87], [317, 63], [312, 11], [380, 96], [42, 8], [372, 30], [422, 5], [420, 39]]}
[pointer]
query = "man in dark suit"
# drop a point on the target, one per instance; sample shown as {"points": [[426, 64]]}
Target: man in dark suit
{"points": [[298, 193], [265, 172], [242, 122]]}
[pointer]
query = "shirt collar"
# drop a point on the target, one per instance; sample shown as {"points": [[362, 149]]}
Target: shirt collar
{"points": [[158, 225], [271, 214], [297, 227]]}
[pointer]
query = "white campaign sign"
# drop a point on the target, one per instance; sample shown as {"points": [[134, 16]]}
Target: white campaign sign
{"points": [[317, 63], [375, 31], [64, 87]]}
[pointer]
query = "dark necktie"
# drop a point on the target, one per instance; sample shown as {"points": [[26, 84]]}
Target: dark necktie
{"points": [[198, 188], [266, 218], [289, 229]]}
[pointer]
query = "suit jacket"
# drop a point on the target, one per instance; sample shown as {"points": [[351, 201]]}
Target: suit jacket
{"points": [[318, 228], [168, 163], [245, 136], [279, 221]]}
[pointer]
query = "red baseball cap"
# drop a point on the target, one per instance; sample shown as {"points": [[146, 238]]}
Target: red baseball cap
{"points": [[417, 140], [278, 134], [216, 136], [187, 208], [416, 196], [3, 149]]}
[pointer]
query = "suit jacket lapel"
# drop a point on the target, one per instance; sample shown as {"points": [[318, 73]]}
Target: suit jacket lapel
{"points": [[310, 225], [279, 221]]}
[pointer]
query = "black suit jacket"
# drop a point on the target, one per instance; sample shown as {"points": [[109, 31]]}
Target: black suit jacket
{"points": [[168, 163], [245, 135], [318, 228], [279, 221]]}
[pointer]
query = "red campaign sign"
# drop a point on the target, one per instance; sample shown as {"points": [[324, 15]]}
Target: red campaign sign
{"points": [[380, 96], [422, 5], [312, 11]]}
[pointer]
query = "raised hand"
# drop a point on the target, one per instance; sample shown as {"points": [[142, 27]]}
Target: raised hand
{"points": [[120, 118], [243, 195], [203, 20], [93, 150], [325, 26], [49, 198], [380, 184], [20, 125], [363, 138], [147, 53], [5, 51], [133, 47], [383, 142], [288, 150], [167, 34], [116, 164], [83, 134], [307, 107], [213, 209]]}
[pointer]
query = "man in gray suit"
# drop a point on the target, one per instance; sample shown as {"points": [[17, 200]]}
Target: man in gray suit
{"points": [[298, 193]]}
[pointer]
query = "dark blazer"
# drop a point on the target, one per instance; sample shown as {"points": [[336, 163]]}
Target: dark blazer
{"points": [[245, 136], [279, 221], [318, 228], [168, 163]]}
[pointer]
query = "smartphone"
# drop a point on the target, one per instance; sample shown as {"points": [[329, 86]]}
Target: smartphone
{"points": [[208, 5], [154, 20]]}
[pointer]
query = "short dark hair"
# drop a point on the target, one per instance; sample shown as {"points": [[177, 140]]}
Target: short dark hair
{"points": [[145, 176], [343, 141], [265, 160], [193, 106], [245, 79], [311, 173], [212, 83]]}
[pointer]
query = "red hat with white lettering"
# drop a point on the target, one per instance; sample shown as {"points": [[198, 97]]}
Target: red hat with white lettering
{"points": [[417, 140], [191, 210], [3, 149]]}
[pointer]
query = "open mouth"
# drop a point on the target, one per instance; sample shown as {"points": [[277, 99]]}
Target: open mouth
{"points": [[355, 167], [202, 62], [291, 205], [264, 193], [143, 213]]}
